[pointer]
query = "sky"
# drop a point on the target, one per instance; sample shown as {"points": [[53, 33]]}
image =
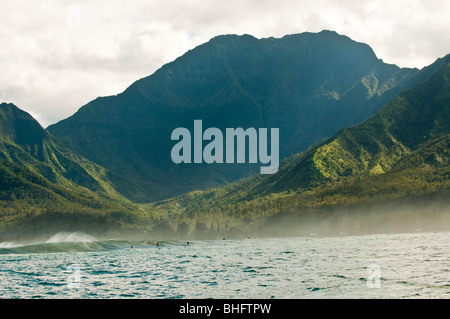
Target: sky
{"points": [[58, 55]]}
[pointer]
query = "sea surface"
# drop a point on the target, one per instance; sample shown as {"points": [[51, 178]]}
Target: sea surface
{"points": [[77, 266]]}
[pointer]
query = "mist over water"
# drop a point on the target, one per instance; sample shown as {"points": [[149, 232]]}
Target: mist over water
{"points": [[384, 252], [383, 218], [410, 265]]}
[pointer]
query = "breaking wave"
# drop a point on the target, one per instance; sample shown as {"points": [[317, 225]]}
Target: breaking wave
{"points": [[71, 243]]}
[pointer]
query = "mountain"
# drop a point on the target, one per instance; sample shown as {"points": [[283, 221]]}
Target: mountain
{"points": [[24, 142], [392, 169], [389, 145], [43, 185], [309, 85], [375, 147]]}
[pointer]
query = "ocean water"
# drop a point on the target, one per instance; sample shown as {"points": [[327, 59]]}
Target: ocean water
{"points": [[77, 266]]}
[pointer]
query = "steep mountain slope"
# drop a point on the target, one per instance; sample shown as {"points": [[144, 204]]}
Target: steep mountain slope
{"points": [[24, 142], [43, 185], [399, 156], [32, 206], [308, 85], [374, 147]]}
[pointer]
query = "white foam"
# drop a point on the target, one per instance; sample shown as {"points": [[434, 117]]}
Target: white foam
{"points": [[8, 244], [64, 237]]}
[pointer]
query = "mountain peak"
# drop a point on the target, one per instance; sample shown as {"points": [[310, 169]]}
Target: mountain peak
{"points": [[228, 37], [18, 126], [9, 106]]}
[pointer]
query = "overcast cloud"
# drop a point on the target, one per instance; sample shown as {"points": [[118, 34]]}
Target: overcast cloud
{"points": [[56, 55]]}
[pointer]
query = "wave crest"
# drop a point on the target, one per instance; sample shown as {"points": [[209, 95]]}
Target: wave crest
{"points": [[71, 243], [65, 237]]}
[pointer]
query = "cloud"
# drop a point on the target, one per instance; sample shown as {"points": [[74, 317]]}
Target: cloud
{"points": [[58, 55]]}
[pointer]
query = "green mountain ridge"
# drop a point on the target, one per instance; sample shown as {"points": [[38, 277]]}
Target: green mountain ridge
{"points": [[414, 117], [28, 144], [310, 85], [43, 185]]}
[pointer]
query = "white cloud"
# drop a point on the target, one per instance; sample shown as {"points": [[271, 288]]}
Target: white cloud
{"points": [[58, 55]]}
